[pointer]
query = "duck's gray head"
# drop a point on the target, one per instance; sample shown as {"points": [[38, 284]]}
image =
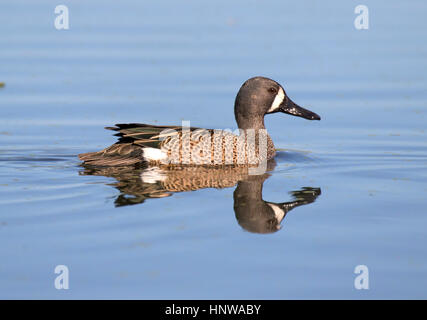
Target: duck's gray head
{"points": [[260, 96]]}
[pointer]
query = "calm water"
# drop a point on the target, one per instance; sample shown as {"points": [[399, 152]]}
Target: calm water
{"points": [[359, 176]]}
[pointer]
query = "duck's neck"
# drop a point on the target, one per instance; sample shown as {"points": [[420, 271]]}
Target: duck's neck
{"points": [[257, 123], [250, 122]]}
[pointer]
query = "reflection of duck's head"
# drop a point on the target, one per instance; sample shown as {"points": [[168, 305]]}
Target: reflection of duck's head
{"points": [[252, 212], [259, 216]]}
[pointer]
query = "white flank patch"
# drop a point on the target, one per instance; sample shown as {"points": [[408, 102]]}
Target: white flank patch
{"points": [[278, 212], [153, 154], [152, 175], [280, 96]]}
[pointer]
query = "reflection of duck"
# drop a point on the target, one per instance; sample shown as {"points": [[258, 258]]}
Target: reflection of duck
{"points": [[138, 184], [259, 216], [252, 212]]}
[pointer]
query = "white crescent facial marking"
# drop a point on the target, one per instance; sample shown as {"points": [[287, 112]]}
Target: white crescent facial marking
{"points": [[278, 212], [280, 96]]}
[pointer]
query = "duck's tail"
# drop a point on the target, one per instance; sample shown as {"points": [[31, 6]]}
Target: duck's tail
{"points": [[123, 154]]}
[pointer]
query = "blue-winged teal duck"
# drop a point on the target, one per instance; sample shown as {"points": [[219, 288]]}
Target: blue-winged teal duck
{"points": [[143, 143]]}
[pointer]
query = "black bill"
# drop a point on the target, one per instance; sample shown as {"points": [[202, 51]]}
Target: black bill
{"points": [[289, 107]]}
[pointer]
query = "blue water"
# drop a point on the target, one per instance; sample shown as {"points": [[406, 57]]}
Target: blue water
{"points": [[166, 61]]}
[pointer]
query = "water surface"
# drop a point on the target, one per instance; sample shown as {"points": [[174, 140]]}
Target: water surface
{"points": [[360, 171]]}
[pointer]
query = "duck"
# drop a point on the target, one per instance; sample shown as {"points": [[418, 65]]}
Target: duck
{"points": [[183, 145]]}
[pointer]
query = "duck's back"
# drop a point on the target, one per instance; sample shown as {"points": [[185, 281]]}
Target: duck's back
{"points": [[175, 145]]}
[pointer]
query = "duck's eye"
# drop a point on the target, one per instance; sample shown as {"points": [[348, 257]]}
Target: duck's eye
{"points": [[272, 90]]}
